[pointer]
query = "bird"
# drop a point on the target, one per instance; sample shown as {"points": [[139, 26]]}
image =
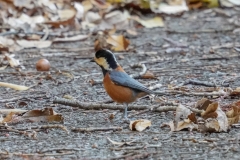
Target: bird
{"points": [[118, 84]]}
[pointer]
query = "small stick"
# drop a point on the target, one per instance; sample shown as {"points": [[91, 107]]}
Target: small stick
{"points": [[93, 129]]}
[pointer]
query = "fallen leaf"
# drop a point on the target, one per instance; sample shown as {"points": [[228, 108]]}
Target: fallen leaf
{"points": [[169, 8], [235, 92], [118, 42], [139, 125], [39, 112], [150, 23], [12, 61], [210, 111], [43, 115], [215, 119], [203, 104], [14, 86], [34, 44], [186, 124], [233, 113], [71, 39], [8, 118]]}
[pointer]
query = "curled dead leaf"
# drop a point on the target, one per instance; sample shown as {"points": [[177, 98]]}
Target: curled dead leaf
{"points": [[118, 42], [210, 111], [234, 113], [139, 125]]}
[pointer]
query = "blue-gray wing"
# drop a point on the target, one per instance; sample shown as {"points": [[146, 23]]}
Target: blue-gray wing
{"points": [[124, 79]]}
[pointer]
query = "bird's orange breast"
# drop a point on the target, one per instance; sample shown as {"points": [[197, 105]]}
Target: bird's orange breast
{"points": [[118, 93]]}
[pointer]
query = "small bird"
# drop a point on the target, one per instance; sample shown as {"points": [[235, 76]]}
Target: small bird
{"points": [[118, 84]]}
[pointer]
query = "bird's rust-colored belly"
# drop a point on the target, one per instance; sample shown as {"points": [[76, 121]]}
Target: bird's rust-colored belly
{"points": [[118, 93]]}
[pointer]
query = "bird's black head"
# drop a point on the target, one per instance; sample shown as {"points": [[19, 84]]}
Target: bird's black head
{"points": [[105, 59]]}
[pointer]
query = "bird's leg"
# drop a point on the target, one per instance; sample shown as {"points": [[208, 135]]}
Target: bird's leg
{"points": [[125, 111]]}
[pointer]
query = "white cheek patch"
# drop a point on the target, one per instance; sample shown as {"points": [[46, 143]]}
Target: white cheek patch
{"points": [[102, 62]]}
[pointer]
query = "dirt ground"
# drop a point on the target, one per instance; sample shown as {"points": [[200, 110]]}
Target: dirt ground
{"points": [[206, 57]]}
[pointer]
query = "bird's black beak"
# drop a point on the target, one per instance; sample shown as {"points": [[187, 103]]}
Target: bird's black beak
{"points": [[92, 60]]}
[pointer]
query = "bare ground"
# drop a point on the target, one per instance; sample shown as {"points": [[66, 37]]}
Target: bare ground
{"points": [[199, 30]]}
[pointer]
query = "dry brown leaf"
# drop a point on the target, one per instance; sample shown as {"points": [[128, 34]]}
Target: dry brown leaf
{"points": [[40, 112], [150, 23], [186, 124], [50, 118], [139, 125], [14, 86], [118, 42], [193, 118], [235, 92], [32, 44], [210, 111], [44, 115], [215, 119], [203, 104], [233, 113], [8, 118], [70, 39]]}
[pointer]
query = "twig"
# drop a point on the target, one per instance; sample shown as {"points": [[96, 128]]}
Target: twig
{"points": [[88, 106], [197, 82], [92, 129], [60, 149], [190, 93], [135, 147], [200, 31]]}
